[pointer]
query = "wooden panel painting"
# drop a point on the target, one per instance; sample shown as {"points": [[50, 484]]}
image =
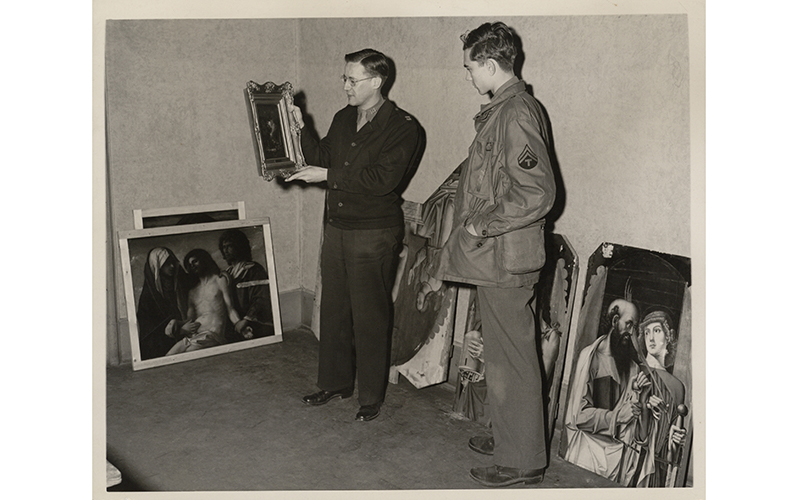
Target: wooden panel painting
{"points": [[554, 304], [556, 294], [423, 306], [199, 290], [423, 319], [630, 391], [471, 390]]}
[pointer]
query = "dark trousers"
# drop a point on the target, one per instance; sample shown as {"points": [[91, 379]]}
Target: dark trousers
{"points": [[358, 269], [513, 376]]}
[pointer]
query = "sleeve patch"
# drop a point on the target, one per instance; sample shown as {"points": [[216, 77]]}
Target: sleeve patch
{"points": [[528, 159]]}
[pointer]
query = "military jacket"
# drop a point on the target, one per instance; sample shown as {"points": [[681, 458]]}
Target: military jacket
{"points": [[506, 189]]}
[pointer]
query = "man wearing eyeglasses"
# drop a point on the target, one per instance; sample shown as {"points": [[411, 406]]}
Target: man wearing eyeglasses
{"points": [[371, 149]]}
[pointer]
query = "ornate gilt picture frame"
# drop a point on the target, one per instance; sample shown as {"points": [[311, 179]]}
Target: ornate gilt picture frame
{"points": [[275, 134]]}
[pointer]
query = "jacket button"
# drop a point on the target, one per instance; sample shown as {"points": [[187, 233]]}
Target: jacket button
{"points": [[479, 244], [340, 204], [354, 144], [484, 232], [346, 163]]}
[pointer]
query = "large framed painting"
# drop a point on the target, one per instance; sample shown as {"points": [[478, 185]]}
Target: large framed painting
{"points": [[275, 134], [630, 388], [199, 290], [423, 317], [144, 218]]}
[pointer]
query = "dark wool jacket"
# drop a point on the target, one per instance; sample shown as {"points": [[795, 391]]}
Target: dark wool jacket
{"points": [[366, 168]]}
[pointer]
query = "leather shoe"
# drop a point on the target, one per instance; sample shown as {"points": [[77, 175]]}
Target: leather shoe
{"points": [[497, 476], [322, 397], [481, 444], [368, 412]]}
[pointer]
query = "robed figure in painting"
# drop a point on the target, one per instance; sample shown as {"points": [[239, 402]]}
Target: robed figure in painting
{"points": [[602, 422], [250, 287], [630, 389], [664, 395], [160, 301]]}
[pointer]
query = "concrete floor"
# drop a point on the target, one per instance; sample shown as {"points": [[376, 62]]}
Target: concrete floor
{"points": [[235, 422]]}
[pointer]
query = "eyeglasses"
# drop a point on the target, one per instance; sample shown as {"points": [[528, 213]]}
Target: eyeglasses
{"points": [[351, 81]]}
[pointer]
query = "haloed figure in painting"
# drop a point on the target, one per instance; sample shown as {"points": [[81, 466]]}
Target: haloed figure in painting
{"points": [[624, 409], [210, 304], [160, 301], [665, 402]]}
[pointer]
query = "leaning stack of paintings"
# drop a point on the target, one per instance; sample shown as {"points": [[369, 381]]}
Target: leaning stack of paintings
{"points": [[630, 391], [423, 306], [556, 294]]}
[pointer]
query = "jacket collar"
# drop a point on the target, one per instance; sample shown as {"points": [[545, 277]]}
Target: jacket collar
{"points": [[511, 87]]}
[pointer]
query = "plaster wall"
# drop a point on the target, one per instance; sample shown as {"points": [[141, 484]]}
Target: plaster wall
{"points": [[177, 129], [615, 88]]}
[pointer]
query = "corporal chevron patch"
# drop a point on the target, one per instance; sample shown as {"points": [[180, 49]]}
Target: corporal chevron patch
{"points": [[527, 159]]}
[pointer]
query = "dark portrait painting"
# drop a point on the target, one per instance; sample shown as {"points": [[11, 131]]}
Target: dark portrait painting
{"points": [[270, 131], [275, 134]]}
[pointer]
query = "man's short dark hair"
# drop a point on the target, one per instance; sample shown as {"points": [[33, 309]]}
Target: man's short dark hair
{"points": [[492, 41], [374, 62], [240, 243]]}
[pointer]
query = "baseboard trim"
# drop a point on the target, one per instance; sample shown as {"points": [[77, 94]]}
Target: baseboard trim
{"points": [[296, 308]]}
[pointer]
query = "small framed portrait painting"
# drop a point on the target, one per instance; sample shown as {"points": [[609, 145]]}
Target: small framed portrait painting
{"points": [[275, 134]]}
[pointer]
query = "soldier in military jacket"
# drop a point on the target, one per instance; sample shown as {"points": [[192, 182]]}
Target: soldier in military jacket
{"points": [[497, 243]]}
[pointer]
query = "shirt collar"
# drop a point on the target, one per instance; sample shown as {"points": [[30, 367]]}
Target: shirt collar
{"points": [[381, 118], [372, 111]]}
